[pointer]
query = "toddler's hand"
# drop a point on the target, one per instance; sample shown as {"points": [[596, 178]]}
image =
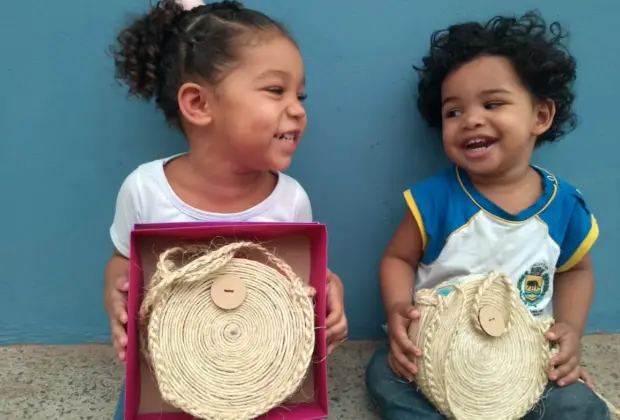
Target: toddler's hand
{"points": [[564, 368], [336, 322], [401, 346], [116, 306]]}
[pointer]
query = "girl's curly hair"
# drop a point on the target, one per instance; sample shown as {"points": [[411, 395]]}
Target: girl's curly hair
{"points": [[167, 46]]}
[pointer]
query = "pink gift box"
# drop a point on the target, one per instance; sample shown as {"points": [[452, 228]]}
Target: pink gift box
{"points": [[142, 400]]}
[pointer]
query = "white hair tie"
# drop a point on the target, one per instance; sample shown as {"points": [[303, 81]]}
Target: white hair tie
{"points": [[190, 4]]}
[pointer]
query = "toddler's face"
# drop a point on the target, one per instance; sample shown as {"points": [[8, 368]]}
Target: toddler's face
{"points": [[258, 111], [490, 120]]}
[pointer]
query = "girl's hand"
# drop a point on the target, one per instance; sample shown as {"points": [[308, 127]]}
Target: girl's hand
{"points": [[564, 368], [336, 322], [116, 306]]}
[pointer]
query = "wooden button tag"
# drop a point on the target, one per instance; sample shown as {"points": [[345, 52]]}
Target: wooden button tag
{"points": [[228, 291], [492, 321]]}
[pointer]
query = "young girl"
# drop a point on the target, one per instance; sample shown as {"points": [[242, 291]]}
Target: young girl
{"points": [[232, 80], [497, 90]]}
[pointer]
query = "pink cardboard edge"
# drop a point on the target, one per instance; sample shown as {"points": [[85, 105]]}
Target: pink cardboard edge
{"points": [[316, 232]]}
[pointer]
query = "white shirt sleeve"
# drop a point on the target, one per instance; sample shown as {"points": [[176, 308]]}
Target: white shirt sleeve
{"points": [[303, 208], [126, 215]]}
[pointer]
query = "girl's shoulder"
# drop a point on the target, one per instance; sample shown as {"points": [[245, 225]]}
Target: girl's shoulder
{"points": [[289, 194], [148, 175]]}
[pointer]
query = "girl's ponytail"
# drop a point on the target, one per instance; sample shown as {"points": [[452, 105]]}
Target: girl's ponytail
{"points": [[139, 48]]}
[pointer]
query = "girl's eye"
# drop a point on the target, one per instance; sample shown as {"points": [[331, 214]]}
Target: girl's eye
{"points": [[275, 90], [280, 91]]}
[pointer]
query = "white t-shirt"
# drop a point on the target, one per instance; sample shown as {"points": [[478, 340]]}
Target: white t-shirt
{"points": [[147, 197]]}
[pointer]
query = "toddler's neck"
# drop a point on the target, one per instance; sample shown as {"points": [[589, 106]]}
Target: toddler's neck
{"points": [[505, 181], [512, 191]]}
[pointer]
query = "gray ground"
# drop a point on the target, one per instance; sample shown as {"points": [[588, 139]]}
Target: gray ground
{"points": [[82, 382]]}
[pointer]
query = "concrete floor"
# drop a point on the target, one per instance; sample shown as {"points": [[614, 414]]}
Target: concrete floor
{"points": [[79, 383]]}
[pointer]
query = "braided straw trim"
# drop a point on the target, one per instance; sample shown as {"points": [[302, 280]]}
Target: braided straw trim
{"points": [[613, 410], [466, 373], [226, 365]]}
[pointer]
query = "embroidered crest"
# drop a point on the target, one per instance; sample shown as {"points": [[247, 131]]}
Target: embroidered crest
{"points": [[534, 284]]}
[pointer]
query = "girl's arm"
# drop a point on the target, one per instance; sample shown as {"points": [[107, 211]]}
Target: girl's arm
{"points": [[116, 268], [115, 288]]}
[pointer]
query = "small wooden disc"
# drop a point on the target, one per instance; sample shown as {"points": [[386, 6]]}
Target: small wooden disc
{"points": [[492, 321], [228, 291]]}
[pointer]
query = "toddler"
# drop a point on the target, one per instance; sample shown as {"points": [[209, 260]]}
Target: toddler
{"points": [[497, 91], [232, 81]]}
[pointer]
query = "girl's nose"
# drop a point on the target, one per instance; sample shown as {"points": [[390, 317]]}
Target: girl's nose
{"points": [[296, 109]]}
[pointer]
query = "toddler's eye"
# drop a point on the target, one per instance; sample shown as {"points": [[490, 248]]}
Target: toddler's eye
{"points": [[493, 105], [302, 97], [453, 113]]}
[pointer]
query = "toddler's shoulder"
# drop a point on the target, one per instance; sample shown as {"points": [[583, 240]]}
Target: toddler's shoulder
{"points": [[442, 180], [571, 224], [436, 189], [568, 195]]}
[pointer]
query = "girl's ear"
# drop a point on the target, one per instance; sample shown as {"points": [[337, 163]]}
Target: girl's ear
{"points": [[194, 104], [544, 113]]}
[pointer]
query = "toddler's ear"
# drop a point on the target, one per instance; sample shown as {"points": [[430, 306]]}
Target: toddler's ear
{"points": [[194, 104], [544, 112]]}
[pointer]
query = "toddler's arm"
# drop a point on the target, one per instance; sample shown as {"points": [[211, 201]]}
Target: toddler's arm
{"points": [[572, 297], [396, 279], [573, 286], [573, 282], [396, 274]]}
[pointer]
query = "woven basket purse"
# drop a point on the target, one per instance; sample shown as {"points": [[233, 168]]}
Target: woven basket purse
{"points": [[227, 337], [484, 355]]}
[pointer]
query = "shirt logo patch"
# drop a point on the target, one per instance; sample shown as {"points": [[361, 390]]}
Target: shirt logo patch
{"points": [[534, 284]]}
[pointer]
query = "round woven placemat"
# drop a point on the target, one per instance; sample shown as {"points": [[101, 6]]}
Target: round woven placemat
{"points": [[470, 370], [222, 364]]}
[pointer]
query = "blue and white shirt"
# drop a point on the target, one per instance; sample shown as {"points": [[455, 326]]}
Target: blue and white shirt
{"points": [[463, 233]]}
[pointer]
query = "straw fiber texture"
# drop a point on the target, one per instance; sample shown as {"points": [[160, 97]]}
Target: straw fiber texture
{"points": [[222, 364], [469, 373]]}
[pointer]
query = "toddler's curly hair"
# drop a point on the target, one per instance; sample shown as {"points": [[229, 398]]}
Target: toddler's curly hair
{"points": [[542, 62]]}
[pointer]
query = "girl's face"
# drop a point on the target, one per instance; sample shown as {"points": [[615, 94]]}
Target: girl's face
{"points": [[257, 111], [490, 120]]}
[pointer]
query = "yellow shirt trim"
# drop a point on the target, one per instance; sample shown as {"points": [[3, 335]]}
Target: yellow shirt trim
{"points": [[583, 249], [543, 208], [413, 207]]}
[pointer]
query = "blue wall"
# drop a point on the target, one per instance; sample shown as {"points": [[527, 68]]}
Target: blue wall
{"points": [[69, 136]]}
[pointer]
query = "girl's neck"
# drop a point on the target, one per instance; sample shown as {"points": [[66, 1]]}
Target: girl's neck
{"points": [[210, 182], [213, 171]]}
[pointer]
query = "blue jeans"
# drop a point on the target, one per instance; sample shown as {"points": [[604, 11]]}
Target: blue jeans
{"points": [[398, 400], [120, 407]]}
